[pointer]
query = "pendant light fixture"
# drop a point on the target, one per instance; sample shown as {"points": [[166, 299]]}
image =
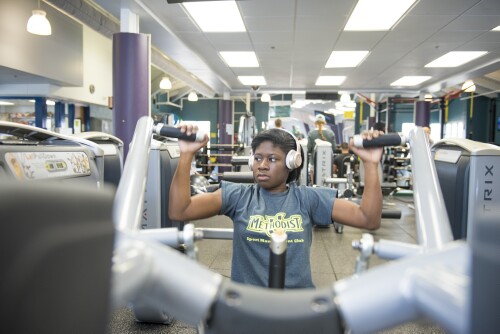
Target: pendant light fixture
{"points": [[265, 97], [193, 97], [469, 86], [38, 23], [165, 83]]}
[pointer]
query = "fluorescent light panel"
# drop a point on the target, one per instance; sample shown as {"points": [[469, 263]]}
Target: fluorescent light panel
{"points": [[380, 15], [252, 80], [346, 58], [330, 80], [6, 103], [240, 58], [216, 16], [456, 58], [410, 80], [496, 29]]}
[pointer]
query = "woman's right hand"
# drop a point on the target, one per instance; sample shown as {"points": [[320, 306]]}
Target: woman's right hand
{"points": [[191, 146], [368, 155]]}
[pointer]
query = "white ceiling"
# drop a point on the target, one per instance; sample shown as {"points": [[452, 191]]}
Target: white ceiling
{"points": [[294, 38]]}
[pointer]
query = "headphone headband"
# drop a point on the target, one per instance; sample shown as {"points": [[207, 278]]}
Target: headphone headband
{"points": [[297, 144]]}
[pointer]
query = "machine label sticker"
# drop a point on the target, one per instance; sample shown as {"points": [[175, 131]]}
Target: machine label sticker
{"points": [[44, 165], [450, 156], [268, 224]]}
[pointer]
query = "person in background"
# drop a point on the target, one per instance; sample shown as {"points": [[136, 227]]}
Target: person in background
{"points": [[380, 126], [339, 158], [321, 132], [297, 133], [278, 123], [274, 202]]}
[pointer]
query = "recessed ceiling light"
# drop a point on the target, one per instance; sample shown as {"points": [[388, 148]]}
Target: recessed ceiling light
{"points": [[380, 15], [456, 58], [252, 80], [240, 58], [216, 16], [346, 58], [410, 80], [330, 80]]}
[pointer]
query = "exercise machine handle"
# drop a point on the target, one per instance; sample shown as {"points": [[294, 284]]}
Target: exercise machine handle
{"points": [[391, 214], [277, 259], [173, 132], [389, 139]]}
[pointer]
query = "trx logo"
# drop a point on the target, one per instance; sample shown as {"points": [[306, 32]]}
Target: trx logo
{"points": [[488, 187], [267, 224]]}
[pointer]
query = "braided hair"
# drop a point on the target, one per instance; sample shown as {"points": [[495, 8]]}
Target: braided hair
{"points": [[320, 130]]}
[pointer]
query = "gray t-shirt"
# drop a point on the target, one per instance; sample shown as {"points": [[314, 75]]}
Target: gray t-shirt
{"points": [[256, 213]]}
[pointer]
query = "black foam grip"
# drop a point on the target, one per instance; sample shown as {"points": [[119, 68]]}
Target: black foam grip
{"points": [[391, 214], [173, 132], [390, 139], [277, 270]]}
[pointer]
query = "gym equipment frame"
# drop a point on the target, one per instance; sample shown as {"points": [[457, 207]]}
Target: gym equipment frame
{"points": [[450, 282]]}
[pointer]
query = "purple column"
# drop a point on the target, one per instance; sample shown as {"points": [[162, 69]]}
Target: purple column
{"points": [[86, 118], [225, 117], [422, 116], [59, 114], [71, 117], [131, 83], [40, 112]]}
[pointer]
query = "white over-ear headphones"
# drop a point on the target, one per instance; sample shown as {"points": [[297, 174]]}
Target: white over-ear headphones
{"points": [[293, 158]]}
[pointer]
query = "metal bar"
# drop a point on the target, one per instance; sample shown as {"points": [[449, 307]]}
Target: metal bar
{"points": [[432, 223], [215, 164], [148, 274], [129, 199], [167, 236], [390, 249], [383, 297], [216, 233], [277, 259], [217, 155], [224, 145]]}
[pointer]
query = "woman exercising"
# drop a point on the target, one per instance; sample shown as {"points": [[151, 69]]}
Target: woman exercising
{"points": [[273, 202]]}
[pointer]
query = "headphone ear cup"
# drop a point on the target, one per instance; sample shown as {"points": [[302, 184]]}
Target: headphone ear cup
{"points": [[250, 162], [297, 160], [293, 160]]}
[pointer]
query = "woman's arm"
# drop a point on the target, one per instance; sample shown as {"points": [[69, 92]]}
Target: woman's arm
{"points": [[368, 214], [181, 205]]}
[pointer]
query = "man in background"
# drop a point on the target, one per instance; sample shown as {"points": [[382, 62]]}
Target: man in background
{"points": [[278, 123]]}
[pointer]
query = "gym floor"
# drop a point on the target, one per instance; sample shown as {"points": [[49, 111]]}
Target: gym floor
{"points": [[332, 259]]}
